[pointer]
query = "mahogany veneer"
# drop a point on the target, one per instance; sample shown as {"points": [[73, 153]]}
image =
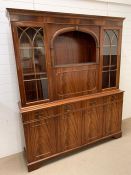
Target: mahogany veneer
{"points": [[68, 69]]}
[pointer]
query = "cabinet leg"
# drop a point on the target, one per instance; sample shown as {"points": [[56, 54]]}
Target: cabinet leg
{"points": [[118, 135], [34, 166]]}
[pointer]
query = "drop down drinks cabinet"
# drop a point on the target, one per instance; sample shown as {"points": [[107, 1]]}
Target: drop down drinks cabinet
{"points": [[68, 69]]}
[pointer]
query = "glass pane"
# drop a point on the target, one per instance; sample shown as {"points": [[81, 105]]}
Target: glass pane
{"points": [[114, 50], [39, 58], [112, 78], [25, 41], [38, 39], [106, 60], [114, 38], [106, 50], [26, 53], [29, 76], [42, 88], [27, 62], [31, 32], [110, 33], [113, 59], [106, 40], [105, 80], [30, 90], [116, 33], [113, 67]]}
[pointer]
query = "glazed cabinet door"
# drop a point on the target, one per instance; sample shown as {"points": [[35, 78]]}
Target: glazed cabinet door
{"points": [[41, 133], [111, 58], [31, 62]]}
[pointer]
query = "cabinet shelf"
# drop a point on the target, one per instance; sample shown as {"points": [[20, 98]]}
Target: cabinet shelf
{"points": [[35, 79], [76, 64], [31, 47], [40, 73]]}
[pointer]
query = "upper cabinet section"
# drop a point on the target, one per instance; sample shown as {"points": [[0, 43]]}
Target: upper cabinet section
{"points": [[61, 55]]}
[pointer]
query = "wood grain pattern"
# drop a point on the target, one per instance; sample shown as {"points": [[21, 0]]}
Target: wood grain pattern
{"points": [[93, 119], [113, 114], [40, 134], [75, 81], [70, 126], [51, 17]]}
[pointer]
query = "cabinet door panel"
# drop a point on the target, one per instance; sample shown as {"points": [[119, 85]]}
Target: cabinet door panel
{"points": [[70, 126], [75, 81], [40, 129], [112, 114], [92, 120], [40, 139], [39, 114]]}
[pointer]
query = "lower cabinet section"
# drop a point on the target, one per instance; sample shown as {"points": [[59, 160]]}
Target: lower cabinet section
{"points": [[54, 130]]}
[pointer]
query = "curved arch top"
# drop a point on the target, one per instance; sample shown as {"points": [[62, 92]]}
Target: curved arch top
{"points": [[76, 28], [74, 45]]}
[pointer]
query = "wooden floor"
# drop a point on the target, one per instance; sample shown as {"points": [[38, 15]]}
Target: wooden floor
{"points": [[109, 158]]}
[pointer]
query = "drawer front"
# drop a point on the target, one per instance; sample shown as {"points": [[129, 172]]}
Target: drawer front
{"points": [[36, 115], [116, 97]]}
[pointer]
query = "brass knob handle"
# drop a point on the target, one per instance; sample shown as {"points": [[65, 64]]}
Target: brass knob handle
{"points": [[67, 108]]}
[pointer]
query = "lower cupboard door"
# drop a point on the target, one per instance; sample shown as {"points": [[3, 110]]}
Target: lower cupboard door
{"points": [[40, 139], [92, 124], [112, 118], [70, 130], [116, 114]]}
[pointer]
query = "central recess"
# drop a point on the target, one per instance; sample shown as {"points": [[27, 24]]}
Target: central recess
{"points": [[74, 47]]}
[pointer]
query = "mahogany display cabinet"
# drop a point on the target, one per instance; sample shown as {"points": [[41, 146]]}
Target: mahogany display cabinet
{"points": [[68, 69]]}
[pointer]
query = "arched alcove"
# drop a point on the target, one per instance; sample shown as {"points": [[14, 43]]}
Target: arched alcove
{"points": [[74, 47]]}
